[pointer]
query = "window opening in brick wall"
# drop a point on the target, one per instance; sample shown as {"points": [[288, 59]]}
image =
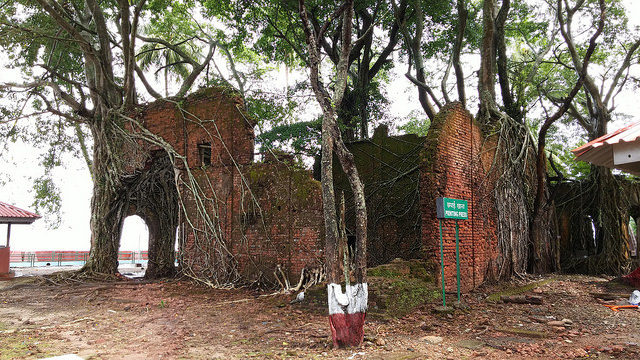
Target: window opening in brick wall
{"points": [[204, 154]]}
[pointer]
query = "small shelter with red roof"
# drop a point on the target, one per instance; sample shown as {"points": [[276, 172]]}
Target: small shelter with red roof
{"points": [[9, 215]]}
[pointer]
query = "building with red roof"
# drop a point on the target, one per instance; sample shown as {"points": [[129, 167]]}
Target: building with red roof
{"points": [[9, 215]]}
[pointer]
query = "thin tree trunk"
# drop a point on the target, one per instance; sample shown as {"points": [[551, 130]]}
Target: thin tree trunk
{"points": [[347, 310], [162, 239], [486, 83], [463, 14], [510, 106]]}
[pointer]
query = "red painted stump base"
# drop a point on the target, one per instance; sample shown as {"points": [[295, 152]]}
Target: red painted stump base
{"points": [[347, 330]]}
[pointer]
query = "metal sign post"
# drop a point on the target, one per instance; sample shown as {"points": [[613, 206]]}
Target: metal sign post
{"points": [[450, 209], [444, 300], [458, 258]]}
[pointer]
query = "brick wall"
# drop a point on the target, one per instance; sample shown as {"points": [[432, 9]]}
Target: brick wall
{"points": [[211, 116], [454, 166], [266, 214], [288, 227]]}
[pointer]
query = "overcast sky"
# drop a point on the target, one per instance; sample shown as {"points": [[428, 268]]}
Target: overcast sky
{"points": [[20, 165]]}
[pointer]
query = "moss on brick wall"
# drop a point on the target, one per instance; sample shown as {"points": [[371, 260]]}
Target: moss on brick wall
{"points": [[389, 169], [287, 228]]}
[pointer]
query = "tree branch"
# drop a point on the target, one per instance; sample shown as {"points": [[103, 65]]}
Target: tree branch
{"points": [[188, 82], [393, 40], [625, 64], [463, 14], [425, 87], [146, 84], [540, 161]]}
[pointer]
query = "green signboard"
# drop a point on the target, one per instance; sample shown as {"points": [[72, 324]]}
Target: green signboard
{"points": [[451, 209]]}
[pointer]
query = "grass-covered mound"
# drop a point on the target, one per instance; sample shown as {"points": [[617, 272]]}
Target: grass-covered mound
{"points": [[395, 289]]}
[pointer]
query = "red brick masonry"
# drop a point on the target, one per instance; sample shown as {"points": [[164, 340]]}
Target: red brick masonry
{"points": [[266, 213], [453, 167]]}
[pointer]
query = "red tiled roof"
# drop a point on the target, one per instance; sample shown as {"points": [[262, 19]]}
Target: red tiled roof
{"points": [[10, 213]]}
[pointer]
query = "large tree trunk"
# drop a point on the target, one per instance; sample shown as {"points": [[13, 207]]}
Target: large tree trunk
{"points": [[150, 193], [108, 206], [513, 166], [611, 216], [107, 215]]}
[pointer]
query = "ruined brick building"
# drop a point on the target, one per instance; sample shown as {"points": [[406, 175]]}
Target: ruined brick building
{"points": [[251, 216], [258, 216]]}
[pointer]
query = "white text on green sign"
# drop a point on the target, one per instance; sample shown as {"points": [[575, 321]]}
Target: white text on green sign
{"points": [[451, 209]]}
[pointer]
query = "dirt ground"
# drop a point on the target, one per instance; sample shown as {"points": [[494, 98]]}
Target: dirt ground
{"points": [[181, 320]]}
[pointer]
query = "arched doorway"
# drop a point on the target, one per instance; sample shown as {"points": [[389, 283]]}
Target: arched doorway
{"points": [[134, 247], [153, 197]]}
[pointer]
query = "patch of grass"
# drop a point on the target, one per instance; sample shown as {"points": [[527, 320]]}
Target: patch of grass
{"points": [[241, 342], [422, 270], [21, 346], [517, 290], [406, 294], [385, 272], [400, 286], [260, 354], [471, 344], [419, 269]]}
